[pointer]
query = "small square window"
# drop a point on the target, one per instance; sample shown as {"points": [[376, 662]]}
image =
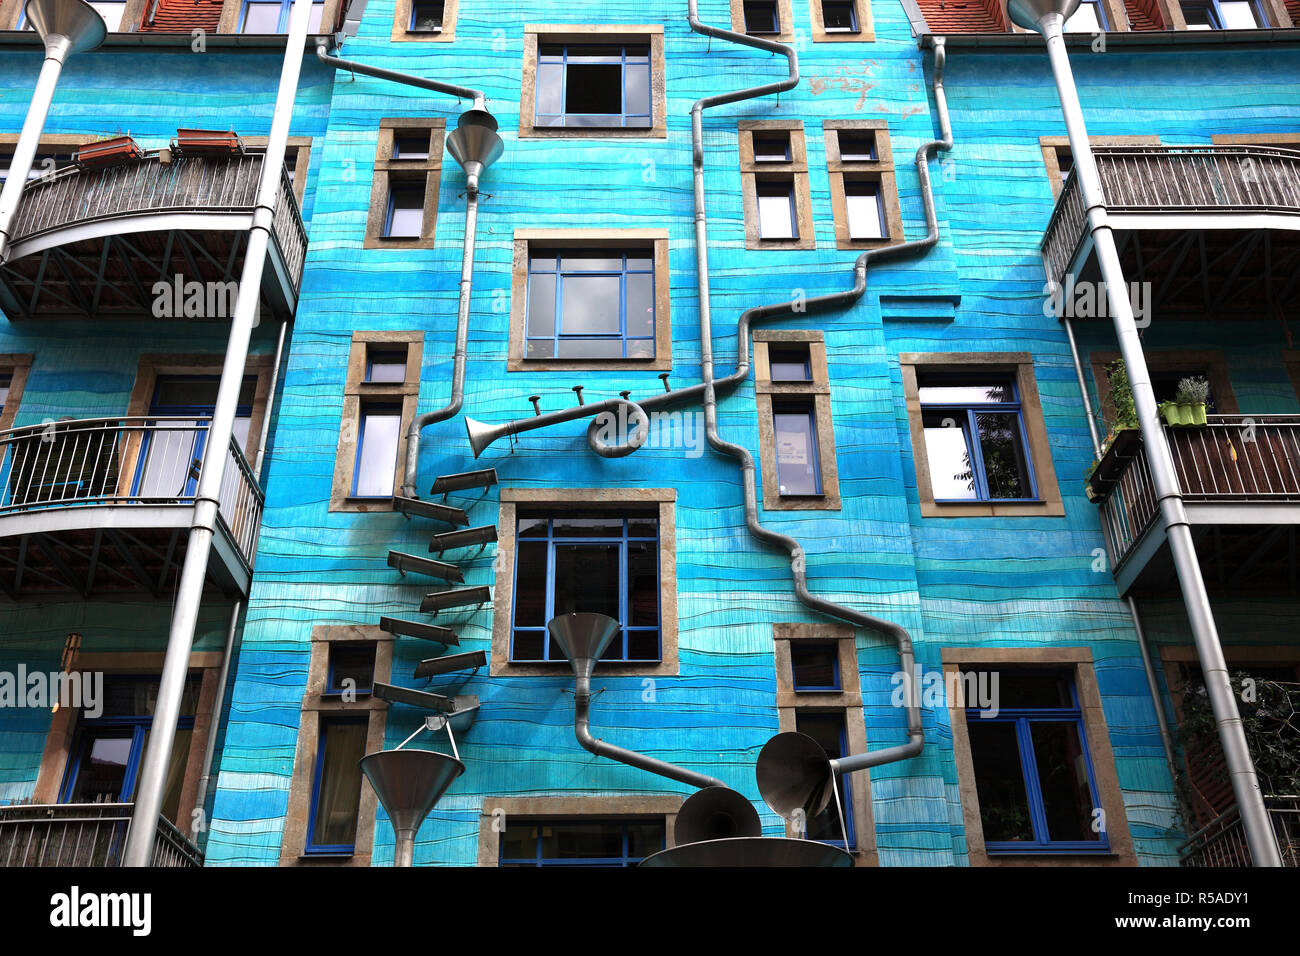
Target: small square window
{"points": [[385, 365], [776, 209], [866, 213], [412, 145], [772, 147], [856, 146], [839, 16], [816, 666], [405, 219], [426, 18], [761, 17], [789, 363], [351, 668]]}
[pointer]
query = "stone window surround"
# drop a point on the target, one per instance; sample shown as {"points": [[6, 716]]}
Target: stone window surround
{"points": [[569, 809], [17, 367], [154, 364], [63, 723], [1079, 661], [866, 29], [1040, 450], [357, 393], [389, 170], [848, 699], [315, 706], [797, 169], [649, 33], [819, 390], [402, 19], [136, 10], [578, 499], [1051, 147], [526, 239], [1216, 367], [783, 12], [880, 171]]}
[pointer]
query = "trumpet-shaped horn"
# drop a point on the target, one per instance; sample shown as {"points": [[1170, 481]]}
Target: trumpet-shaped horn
{"points": [[481, 434], [716, 813], [794, 776]]}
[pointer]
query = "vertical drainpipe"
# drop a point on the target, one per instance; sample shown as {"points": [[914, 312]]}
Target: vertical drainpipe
{"points": [[189, 595]]}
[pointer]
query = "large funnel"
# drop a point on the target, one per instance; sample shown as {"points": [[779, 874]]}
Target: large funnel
{"points": [[583, 637], [794, 776], [1029, 13], [474, 143], [73, 19], [409, 783]]}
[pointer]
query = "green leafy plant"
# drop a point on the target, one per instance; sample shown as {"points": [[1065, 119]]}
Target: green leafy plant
{"points": [[1121, 397], [1192, 390]]}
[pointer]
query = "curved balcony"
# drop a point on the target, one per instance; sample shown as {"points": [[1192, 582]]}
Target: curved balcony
{"points": [[104, 506], [90, 243], [1214, 229]]}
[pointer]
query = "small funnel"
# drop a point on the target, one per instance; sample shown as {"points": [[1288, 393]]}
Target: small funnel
{"points": [[409, 783], [583, 637], [1029, 13], [794, 775], [73, 19], [474, 143]]}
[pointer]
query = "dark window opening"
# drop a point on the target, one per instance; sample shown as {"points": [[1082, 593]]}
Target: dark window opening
{"points": [[856, 146], [831, 732], [772, 147], [761, 16], [789, 363], [815, 666], [351, 668], [839, 17], [604, 843], [426, 18]]}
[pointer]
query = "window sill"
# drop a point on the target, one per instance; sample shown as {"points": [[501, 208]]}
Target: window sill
{"points": [[992, 509], [592, 132], [822, 502], [309, 857], [515, 364], [398, 242], [363, 505], [501, 668]]}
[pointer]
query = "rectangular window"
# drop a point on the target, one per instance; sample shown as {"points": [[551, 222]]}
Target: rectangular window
{"points": [[857, 146], [590, 303], [385, 364], [5, 379], [351, 668], [1090, 17], [866, 212], [272, 16], [831, 732], [593, 85], [412, 144], [404, 192], [336, 789], [816, 666], [426, 17], [1164, 382], [405, 219], [376, 462], [604, 563], [604, 843], [839, 16], [795, 428], [772, 147], [761, 17], [777, 218], [864, 189], [1033, 772], [1222, 15], [789, 363], [975, 438]]}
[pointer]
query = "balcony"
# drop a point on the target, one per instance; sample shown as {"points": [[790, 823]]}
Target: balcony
{"points": [[93, 243], [1214, 229], [83, 834], [1240, 479], [1222, 842], [104, 506]]}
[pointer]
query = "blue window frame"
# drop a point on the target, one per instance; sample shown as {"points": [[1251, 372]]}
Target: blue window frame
{"points": [[353, 661], [336, 786], [975, 443], [1033, 773], [590, 304], [171, 456], [606, 843], [777, 218], [831, 731], [404, 218], [593, 86], [798, 455], [840, 16], [761, 17], [1223, 15], [789, 362], [856, 145], [772, 147], [384, 365], [815, 666], [375, 467], [608, 564], [864, 209], [1090, 17], [426, 17], [272, 16]]}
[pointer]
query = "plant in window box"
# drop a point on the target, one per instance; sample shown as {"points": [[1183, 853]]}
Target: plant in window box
{"points": [[108, 152], [1123, 418], [1189, 404]]}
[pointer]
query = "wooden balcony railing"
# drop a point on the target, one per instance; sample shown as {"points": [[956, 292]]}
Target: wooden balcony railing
{"points": [[1177, 179], [83, 834]]}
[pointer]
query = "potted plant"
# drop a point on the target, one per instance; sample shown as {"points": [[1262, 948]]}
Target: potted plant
{"points": [[1189, 404], [1123, 419], [108, 152]]}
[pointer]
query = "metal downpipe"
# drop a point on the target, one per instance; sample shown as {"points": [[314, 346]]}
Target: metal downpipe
{"points": [[200, 822], [1241, 769], [437, 86], [260, 460]]}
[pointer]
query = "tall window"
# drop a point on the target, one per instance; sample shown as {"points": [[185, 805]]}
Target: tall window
{"points": [[796, 437], [975, 438], [272, 16], [587, 303], [864, 188], [603, 563], [593, 85], [405, 217], [830, 730], [581, 842], [1033, 772], [1223, 15], [1089, 18], [336, 788], [777, 216], [797, 455], [376, 462], [866, 211], [404, 192], [6, 378]]}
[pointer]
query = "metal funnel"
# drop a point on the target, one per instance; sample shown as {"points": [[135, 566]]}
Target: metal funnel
{"points": [[716, 813], [480, 435], [474, 143], [409, 783], [73, 19], [794, 776], [583, 637], [1029, 13], [751, 851]]}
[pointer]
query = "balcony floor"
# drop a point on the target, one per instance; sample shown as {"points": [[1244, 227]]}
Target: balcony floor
{"points": [[1235, 558]]}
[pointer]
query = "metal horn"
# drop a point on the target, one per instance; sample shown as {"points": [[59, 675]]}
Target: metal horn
{"points": [[794, 776], [716, 813], [482, 435]]}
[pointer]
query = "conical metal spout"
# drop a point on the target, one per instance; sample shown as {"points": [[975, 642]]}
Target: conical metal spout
{"points": [[409, 783], [74, 20], [474, 144], [1030, 13]]}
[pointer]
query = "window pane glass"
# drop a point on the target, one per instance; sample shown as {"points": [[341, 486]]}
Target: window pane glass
{"points": [[856, 146], [565, 526], [796, 453], [352, 662], [586, 579], [411, 146], [550, 88], [862, 201], [999, 780], [339, 789], [590, 305], [541, 304], [644, 839], [772, 148], [1197, 17], [386, 366], [814, 665], [643, 583], [637, 87], [640, 305], [761, 17], [839, 17], [529, 646], [948, 455], [406, 212], [1005, 469], [776, 211], [102, 770], [585, 841], [262, 18], [1063, 780], [426, 17], [530, 584], [1237, 15], [789, 363], [594, 88], [966, 393], [1029, 689], [588, 261], [592, 348], [377, 454], [314, 18]]}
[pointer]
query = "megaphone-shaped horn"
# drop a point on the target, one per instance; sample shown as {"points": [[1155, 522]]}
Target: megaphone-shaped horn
{"points": [[716, 813], [794, 776], [481, 435]]}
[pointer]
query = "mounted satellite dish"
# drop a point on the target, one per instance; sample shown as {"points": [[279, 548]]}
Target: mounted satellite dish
{"points": [[795, 776], [716, 813], [409, 783]]}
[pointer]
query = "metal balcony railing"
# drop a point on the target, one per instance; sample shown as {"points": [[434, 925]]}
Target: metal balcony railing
{"points": [[195, 184], [1222, 842], [1181, 179], [1234, 458], [126, 462], [83, 834]]}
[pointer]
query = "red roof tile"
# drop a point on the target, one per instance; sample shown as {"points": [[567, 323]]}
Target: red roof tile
{"points": [[964, 16], [183, 16]]}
